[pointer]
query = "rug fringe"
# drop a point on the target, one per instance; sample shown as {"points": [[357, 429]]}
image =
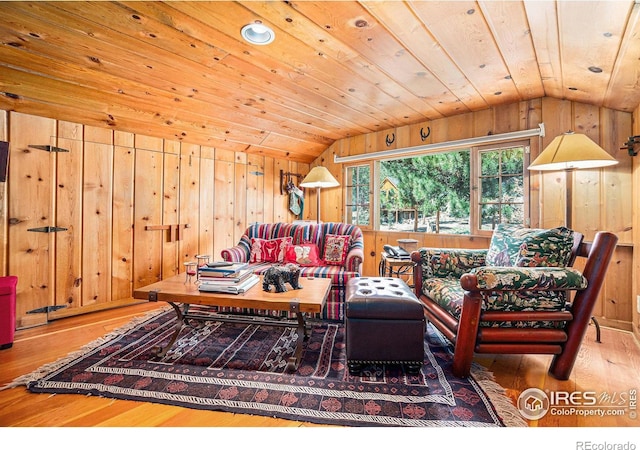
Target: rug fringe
{"points": [[46, 369], [497, 395]]}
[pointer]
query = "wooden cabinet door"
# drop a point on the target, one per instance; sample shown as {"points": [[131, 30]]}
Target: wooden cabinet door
{"points": [[31, 193], [170, 213], [97, 219], [147, 244], [189, 200], [69, 208]]}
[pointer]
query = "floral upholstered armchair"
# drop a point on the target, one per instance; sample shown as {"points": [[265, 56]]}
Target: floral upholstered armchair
{"points": [[519, 296]]}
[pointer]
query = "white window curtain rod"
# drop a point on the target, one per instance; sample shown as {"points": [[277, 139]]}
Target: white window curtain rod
{"points": [[440, 145]]}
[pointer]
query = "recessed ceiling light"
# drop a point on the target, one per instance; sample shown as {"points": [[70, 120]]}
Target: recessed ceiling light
{"points": [[257, 33], [595, 69]]}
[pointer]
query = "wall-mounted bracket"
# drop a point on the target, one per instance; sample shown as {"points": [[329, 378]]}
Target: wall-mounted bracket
{"points": [[175, 230], [47, 229], [49, 148], [630, 145], [283, 185]]}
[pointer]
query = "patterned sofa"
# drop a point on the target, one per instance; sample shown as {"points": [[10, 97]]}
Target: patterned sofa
{"points": [[325, 250]]}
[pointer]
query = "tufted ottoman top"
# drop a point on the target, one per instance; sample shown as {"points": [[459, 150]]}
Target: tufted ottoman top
{"points": [[381, 298]]}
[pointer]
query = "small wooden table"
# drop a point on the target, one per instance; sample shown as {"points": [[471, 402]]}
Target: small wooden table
{"points": [[397, 267], [180, 295]]}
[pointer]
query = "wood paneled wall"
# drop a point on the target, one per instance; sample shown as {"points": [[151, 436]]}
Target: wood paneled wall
{"points": [[113, 184], [602, 197], [110, 192]]}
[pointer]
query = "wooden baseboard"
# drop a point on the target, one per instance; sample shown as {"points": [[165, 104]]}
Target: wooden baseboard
{"points": [[64, 312], [616, 324]]}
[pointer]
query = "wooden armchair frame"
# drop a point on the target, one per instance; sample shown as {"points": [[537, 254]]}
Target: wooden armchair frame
{"points": [[469, 337]]}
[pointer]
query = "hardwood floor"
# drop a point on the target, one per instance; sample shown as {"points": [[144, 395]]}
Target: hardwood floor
{"points": [[609, 368]]}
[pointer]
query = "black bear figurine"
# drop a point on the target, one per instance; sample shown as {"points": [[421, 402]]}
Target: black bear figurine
{"points": [[278, 275]]}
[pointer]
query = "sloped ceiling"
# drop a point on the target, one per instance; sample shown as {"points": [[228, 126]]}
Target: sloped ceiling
{"points": [[180, 70]]}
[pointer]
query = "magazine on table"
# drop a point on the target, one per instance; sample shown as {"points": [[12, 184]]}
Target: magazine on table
{"points": [[225, 280], [221, 269], [239, 288]]}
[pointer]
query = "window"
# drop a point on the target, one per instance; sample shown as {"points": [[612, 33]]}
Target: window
{"points": [[501, 187], [460, 191], [358, 202], [426, 193]]}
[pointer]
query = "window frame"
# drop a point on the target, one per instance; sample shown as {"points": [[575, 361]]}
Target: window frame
{"points": [[474, 173], [348, 187]]}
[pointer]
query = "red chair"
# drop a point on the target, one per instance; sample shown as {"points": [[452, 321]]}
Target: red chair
{"points": [[7, 310]]}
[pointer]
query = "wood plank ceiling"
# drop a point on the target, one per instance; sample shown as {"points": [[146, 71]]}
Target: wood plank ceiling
{"points": [[180, 70]]}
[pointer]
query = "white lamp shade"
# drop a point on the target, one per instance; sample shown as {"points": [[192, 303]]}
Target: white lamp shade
{"points": [[319, 177], [572, 151]]}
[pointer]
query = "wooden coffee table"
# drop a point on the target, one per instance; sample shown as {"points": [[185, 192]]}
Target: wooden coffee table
{"points": [[180, 295]]}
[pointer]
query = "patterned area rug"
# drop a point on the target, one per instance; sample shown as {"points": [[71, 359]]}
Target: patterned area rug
{"points": [[241, 369]]}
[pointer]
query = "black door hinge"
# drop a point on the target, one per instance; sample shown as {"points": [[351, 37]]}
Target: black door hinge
{"points": [[46, 309], [47, 229], [49, 148]]}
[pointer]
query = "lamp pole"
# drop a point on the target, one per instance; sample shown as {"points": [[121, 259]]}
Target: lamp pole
{"points": [[318, 204], [568, 213]]}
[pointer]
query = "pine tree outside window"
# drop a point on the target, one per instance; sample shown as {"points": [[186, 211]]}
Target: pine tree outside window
{"points": [[501, 187]]}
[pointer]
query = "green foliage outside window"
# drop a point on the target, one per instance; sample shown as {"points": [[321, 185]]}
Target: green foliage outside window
{"points": [[434, 186], [441, 192], [501, 187], [358, 208]]}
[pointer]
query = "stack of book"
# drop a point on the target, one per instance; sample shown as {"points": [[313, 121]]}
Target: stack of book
{"points": [[226, 278]]}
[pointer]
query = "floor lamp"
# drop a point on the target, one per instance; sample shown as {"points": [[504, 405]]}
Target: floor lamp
{"points": [[569, 152], [319, 177]]}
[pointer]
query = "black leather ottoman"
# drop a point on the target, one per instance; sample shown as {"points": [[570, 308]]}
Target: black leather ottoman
{"points": [[384, 324]]}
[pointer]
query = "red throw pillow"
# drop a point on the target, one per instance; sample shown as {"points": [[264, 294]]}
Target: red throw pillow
{"points": [[268, 250], [303, 255], [335, 249]]}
